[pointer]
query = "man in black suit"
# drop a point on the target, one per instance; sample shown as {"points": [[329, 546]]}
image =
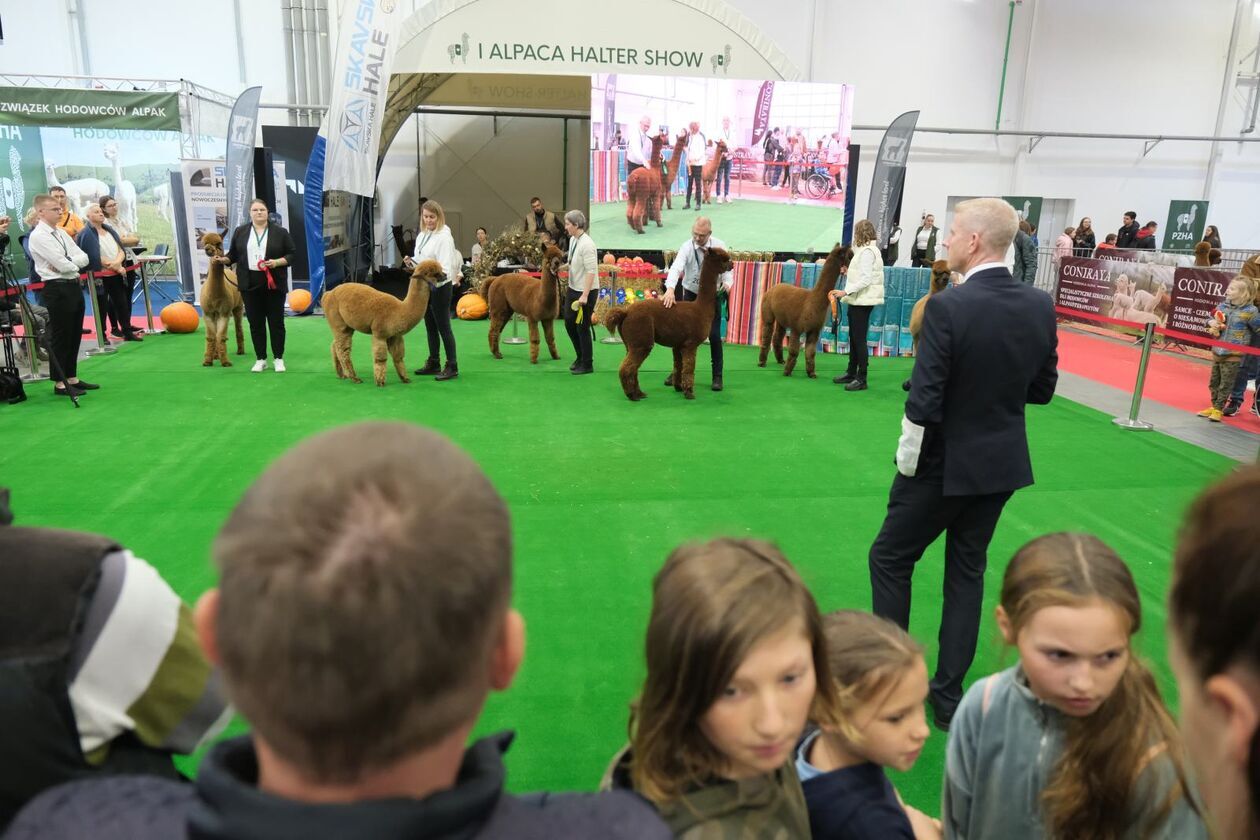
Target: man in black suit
{"points": [[986, 350]]}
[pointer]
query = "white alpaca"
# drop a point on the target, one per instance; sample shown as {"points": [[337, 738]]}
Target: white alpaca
{"points": [[1144, 301], [1186, 220], [124, 191], [72, 198], [162, 197], [1121, 303], [80, 192]]}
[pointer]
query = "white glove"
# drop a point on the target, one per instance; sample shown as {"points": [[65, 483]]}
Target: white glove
{"points": [[908, 448]]}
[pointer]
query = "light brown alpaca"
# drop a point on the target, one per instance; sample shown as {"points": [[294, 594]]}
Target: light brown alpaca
{"points": [[643, 187], [220, 302], [939, 283], [683, 327], [709, 174], [358, 307], [803, 311], [671, 172], [536, 301]]}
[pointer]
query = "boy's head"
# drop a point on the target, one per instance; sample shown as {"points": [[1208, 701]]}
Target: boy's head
{"points": [[363, 607], [1111, 239]]}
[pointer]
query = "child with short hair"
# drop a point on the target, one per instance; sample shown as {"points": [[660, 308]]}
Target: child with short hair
{"points": [[1074, 741], [1235, 321], [882, 684], [736, 666]]}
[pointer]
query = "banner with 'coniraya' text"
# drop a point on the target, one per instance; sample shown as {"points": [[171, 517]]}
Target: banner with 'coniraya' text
{"points": [[366, 47]]}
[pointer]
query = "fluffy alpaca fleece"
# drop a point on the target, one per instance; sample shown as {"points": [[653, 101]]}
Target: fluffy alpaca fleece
{"points": [[709, 173], [684, 327], [220, 302], [940, 282], [538, 301], [802, 311], [1201, 255], [353, 307], [643, 190], [670, 168]]}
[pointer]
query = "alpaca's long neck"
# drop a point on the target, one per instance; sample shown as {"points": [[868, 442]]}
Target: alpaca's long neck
{"points": [[656, 157], [708, 287], [675, 160], [417, 299], [549, 293], [215, 278], [827, 282], [117, 173]]}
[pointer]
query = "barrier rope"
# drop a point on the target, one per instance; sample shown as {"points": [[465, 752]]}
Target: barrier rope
{"points": [[1174, 334]]}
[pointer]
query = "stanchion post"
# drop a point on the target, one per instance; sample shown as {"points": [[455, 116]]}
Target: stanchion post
{"points": [[148, 305], [32, 354], [1132, 422], [102, 347], [514, 338]]}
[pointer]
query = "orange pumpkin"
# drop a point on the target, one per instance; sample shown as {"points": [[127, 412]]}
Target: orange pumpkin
{"points": [[299, 300], [180, 317], [638, 259], [471, 307], [609, 259]]}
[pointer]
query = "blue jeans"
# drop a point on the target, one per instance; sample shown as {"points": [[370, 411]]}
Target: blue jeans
{"points": [[723, 185], [1249, 371]]}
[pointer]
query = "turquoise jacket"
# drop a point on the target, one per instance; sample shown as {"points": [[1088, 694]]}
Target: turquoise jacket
{"points": [[1241, 325], [1003, 746]]}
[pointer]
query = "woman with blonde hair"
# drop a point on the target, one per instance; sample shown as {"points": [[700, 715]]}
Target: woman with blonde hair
{"points": [[863, 291], [435, 242]]}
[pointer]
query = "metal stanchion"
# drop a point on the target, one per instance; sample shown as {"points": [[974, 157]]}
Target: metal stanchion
{"points": [[1132, 422], [102, 347], [514, 338], [32, 354], [148, 305]]}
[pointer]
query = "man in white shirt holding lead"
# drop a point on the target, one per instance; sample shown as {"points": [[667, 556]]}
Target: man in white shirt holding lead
{"points": [[697, 152], [59, 261], [686, 268], [639, 146]]}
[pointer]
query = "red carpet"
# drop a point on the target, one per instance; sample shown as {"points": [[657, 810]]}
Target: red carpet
{"points": [[1170, 379]]}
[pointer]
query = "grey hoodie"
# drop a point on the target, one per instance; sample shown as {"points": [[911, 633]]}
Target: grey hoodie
{"points": [[1003, 748]]}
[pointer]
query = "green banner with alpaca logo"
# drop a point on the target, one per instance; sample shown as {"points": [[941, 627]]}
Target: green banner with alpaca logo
{"points": [[21, 179], [1186, 223], [1028, 208]]}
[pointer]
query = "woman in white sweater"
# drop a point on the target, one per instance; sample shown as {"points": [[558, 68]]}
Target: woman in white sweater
{"points": [[434, 242], [863, 291], [580, 297]]}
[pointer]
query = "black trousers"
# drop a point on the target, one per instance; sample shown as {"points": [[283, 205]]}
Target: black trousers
{"points": [[580, 334], [715, 331], [64, 300], [859, 326], [695, 177], [919, 259], [918, 512], [437, 323], [116, 303], [264, 309], [630, 167]]}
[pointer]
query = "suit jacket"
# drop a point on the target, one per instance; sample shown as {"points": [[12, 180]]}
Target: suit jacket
{"points": [[987, 349], [279, 244]]}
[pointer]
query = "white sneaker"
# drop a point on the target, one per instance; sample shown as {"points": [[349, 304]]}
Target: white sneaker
{"points": [[279, 365], [259, 366]]}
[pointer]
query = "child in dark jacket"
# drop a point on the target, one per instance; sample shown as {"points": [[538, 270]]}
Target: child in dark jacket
{"points": [[882, 682], [1235, 321]]}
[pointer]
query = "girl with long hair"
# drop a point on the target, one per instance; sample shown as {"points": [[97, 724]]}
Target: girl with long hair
{"points": [[736, 666], [863, 291], [1074, 741]]}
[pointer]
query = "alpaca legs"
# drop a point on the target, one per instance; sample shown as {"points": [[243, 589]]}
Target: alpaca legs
{"points": [[341, 346], [549, 332], [794, 350], [211, 351], [767, 330], [332, 347], [380, 351], [811, 347], [776, 341], [689, 372], [396, 351], [676, 378], [629, 371], [221, 328], [533, 341], [496, 328]]}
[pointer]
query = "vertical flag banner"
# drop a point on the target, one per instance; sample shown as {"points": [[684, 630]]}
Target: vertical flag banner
{"points": [[367, 44], [240, 157], [890, 174], [1186, 222], [610, 110], [761, 116]]}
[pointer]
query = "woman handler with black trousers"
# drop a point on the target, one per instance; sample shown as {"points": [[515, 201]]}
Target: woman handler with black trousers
{"points": [[262, 252]]}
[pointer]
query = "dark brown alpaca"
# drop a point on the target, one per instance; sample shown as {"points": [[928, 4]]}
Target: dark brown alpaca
{"points": [[684, 327], [527, 296], [1201, 255], [803, 311], [643, 189], [670, 172], [709, 174]]}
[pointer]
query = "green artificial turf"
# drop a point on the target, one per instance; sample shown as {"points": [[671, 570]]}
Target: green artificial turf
{"points": [[744, 225], [600, 490]]}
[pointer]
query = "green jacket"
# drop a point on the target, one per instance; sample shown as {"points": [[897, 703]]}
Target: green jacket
{"points": [[769, 807], [1003, 746]]}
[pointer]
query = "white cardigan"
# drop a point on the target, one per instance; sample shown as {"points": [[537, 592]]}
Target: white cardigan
{"points": [[438, 245], [864, 284]]}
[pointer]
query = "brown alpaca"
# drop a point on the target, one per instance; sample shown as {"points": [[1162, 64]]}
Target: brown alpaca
{"points": [[220, 302], [643, 187], [803, 311], [671, 172], [940, 282], [1202, 253], [524, 295], [358, 307], [709, 174], [683, 327]]}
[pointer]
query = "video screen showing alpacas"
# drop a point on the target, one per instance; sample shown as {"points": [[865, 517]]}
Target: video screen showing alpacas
{"points": [[767, 161]]}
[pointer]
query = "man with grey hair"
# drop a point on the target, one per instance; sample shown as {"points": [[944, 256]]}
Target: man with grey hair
{"points": [[639, 146], [685, 273], [986, 350]]}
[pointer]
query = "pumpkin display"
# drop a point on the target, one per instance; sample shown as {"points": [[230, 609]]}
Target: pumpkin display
{"points": [[471, 307], [180, 317], [299, 300], [609, 259]]}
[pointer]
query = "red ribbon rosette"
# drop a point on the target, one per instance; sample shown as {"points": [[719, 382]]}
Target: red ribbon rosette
{"points": [[271, 281]]}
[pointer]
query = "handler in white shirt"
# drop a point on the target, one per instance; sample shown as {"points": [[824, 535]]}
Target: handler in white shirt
{"points": [[696, 151], [580, 297], [435, 242], [686, 268], [59, 261], [639, 146]]}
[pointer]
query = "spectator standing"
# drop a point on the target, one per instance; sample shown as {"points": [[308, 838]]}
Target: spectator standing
{"points": [[696, 153], [1083, 241], [1025, 266], [1063, 245], [1145, 239], [1212, 236], [1126, 237], [923, 247]]}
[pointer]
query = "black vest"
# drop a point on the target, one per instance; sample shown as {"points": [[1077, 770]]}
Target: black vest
{"points": [[47, 581]]}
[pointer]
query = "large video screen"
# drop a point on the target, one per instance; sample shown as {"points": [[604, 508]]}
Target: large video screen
{"points": [[769, 161]]}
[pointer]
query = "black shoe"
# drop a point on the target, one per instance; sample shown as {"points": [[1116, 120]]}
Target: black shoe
{"points": [[584, 368], [905, 386], [85, 332], [841, 380], [430, 367], [67, 392], [940, 716], [116, 333], [856, 385], [1231, 408], [574, 366], [133, 336], [449, 372], [84, 386], [717, 383]]}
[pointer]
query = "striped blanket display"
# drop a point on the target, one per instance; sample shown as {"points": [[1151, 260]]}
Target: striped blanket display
{"points": [[608, 174], [744, 307]]}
